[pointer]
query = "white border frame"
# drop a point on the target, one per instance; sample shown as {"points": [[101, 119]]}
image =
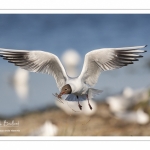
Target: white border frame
{"points": [[75, 138], [79, 7]]}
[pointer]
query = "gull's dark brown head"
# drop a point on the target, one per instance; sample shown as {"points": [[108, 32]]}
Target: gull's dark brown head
{"points": [[66, 89]]}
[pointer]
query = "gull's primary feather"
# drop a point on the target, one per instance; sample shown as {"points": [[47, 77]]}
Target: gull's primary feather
{"points": [[37, 61], [100, 60]]}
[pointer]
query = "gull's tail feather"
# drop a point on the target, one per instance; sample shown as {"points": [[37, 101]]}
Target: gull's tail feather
{"points": [[93, 92]]}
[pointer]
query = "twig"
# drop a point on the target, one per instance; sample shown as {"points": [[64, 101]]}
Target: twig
{"points": [[59, 99]]}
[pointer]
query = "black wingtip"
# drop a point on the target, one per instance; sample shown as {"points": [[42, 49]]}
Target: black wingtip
{"points": [[146, 45], [140, 56], [1, 55], [145, 51]]}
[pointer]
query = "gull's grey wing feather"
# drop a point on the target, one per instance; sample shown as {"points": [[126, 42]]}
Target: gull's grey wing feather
{"points": [[100, 60], [37, 61]]}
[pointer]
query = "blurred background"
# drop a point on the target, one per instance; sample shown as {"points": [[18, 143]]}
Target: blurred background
{"points": [[123, 106]]}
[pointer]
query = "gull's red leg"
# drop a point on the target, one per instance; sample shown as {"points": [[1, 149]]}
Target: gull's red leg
{"points": [[89, 102], [79, 104]]}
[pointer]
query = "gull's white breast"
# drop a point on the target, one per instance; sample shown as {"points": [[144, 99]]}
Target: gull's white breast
{"points": [[78, 87]]}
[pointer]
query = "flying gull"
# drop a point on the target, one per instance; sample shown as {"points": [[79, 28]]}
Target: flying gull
{"points": [[78, 88]]}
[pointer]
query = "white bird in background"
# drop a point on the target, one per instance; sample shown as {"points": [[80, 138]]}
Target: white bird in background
{"points": [[71, 60], [78, 88], [20, 83], [70, 108], [138, 116], [126, 100], [47, 129]]}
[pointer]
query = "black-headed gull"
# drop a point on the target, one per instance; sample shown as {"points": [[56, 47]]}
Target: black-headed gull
{"points": [[78, 88]]}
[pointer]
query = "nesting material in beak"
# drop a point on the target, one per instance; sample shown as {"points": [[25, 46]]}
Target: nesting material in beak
{"points": [[66, 89], [58, 96]]}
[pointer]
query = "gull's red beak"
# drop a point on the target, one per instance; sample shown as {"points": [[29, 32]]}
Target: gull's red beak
{"points": [[61, 94]]}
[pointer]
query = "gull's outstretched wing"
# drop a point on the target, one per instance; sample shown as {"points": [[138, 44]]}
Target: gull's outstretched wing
{"points": [[100, 60], [37, 61]]}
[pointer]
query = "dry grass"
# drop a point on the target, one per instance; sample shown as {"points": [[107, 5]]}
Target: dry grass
{"points": [[102, 123]]}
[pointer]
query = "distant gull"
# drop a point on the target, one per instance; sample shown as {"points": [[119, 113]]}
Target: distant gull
{"points": [[47, 129], [78, 88], [70, 108], [138, 116], [20, 83], [71, 60], [126, 100]]}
